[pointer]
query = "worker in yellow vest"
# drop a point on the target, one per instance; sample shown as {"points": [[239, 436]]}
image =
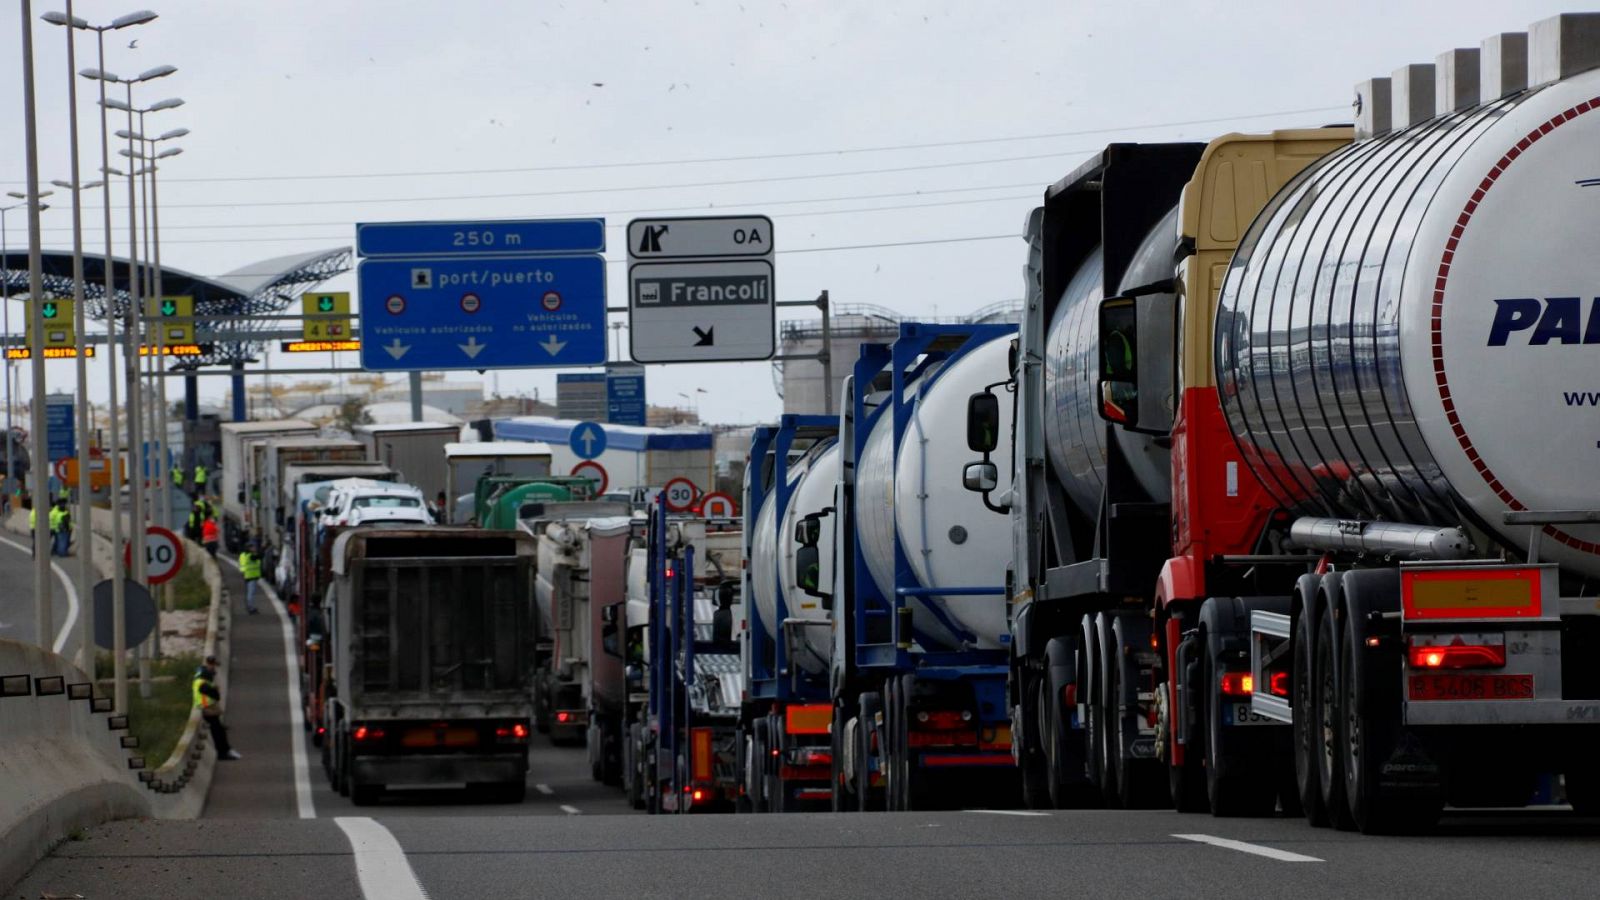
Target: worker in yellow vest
{"points": [[60, 528], [209, 699], [33, 525], [200, 477], [250, 569]]}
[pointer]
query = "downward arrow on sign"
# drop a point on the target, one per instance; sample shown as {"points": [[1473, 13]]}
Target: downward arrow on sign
{"points": [[472, 348], [553, 346], [397, 349]]}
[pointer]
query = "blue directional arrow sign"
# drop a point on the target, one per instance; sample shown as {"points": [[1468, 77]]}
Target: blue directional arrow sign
{"points": [[494, 312], [588, 440]]}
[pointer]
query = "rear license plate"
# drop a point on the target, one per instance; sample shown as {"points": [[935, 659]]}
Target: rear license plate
{"points": [[1242, 714], [440, 737], [1470, 687]]}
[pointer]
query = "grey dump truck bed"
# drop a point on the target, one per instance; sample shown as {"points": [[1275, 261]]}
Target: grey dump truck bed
{"points": [[432, 632]]}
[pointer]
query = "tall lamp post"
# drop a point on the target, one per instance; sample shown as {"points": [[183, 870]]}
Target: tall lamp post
{"points": [[118, 594], [80, 355], [5, 315], [153, 233]]}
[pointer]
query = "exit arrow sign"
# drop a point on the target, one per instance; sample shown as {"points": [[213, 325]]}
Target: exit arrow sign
{"points": [[169, 308], [49, 310], [324, 304]]}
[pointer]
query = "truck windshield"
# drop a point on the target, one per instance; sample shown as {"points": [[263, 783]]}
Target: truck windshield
{"points": [[387, 503]]}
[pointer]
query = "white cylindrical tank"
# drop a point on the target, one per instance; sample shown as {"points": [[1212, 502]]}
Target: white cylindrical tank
{"points": [[772, 551], [1410, 331], [949, 537]]}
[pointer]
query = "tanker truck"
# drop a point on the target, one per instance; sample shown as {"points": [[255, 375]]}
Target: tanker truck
{"points": [[785, 740], [915, 575], [1361, 376]]}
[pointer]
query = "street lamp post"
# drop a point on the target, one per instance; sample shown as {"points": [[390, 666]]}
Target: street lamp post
{"points": [[43, 609], [119, 631], [5, 315], [85, 511]]}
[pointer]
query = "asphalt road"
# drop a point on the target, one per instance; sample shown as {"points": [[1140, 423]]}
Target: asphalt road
{"points": [[575, 838], [17, 613]]}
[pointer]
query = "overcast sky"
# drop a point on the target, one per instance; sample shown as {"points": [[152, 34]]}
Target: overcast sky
{"points": [[934, 125]]}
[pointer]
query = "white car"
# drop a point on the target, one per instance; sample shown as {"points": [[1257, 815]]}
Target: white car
{"points": [[368, 503]]}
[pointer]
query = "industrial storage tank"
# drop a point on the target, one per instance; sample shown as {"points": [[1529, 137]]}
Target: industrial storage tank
{"points": [[949, 537], [1074, 432], [1409, 331], [772, 550]]}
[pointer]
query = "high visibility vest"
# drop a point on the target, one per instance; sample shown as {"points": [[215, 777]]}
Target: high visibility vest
{"points": [[177, 476], [200, 700], [249, 565], [33, 519], [66, 494], [200, 475], [57, 518]]}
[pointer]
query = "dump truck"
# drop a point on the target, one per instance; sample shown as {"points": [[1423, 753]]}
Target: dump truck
{"points": [[431, 633]]}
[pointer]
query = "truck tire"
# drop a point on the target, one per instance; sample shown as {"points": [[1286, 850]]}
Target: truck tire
{"points": [[632, 769], [868, 798], [893, 740], [760, 752], [1233, 794], [1370, 710], [842, 798], [1088, 681], [341, 765], [776, 791], [610, 752], [1186, 783], [1065, 750], [1330, 730], [1306, 742], [1027, 729]]}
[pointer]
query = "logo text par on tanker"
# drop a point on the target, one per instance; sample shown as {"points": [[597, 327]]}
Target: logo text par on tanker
{"points": [[1553, 320]]}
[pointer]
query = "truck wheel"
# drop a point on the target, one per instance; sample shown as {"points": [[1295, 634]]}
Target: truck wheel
{"points": [[1306, 744], [868, 798], [842, 799], [1101, 710], [1369, 710], [1065, 757], [1236, 793], [610, 753], [1026, 729], [594, 747], [759, 754], [1330, 730], [341, 765], [632, 769], [1088, 682], [893, 740]]}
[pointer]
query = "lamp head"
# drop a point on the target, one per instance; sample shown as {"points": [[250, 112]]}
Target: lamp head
{"points": [[133, 18]]}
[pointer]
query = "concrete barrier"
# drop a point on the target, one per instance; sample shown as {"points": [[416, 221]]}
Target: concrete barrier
{"points": [[61, 767]]}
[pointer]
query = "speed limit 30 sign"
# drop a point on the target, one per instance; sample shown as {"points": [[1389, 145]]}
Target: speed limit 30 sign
{"points": [[679, 494], [163, 555]]}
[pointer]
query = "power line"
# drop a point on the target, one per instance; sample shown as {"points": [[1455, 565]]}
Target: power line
{"points": [[732, 209], [646, 187], [798, 154], [1037, 187]]}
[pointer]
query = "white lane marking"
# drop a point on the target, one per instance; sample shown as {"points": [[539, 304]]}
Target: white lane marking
{"points": [[543, 789], [570, 810], [381, 864], [297, 715], [1242, 847], [72, 599], [1007, 812]]}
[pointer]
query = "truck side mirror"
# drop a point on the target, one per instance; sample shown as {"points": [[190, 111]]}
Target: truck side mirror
{"points": [[1119, 361], [608, 614], [808, 530], [980, 477], [983, 422]]}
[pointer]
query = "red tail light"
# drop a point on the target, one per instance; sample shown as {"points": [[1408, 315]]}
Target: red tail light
{"points": [[1278, 684], [322, 729], [563, 717], [363, 733], [1238, 684], [516, 731], [698, 795], [1456, 651]]}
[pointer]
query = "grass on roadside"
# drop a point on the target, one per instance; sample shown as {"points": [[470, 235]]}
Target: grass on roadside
{"points": [[190, 590], [158, 721]]}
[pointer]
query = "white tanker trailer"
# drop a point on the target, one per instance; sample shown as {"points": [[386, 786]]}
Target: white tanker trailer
{"points": [[1378, 513], [918, 571]]}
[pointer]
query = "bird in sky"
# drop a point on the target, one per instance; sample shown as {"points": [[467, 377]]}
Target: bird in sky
{"points": [[133, 44]]}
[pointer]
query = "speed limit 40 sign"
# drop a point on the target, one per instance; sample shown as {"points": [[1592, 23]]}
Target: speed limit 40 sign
{"points": [[163, 555], [679, 494]]}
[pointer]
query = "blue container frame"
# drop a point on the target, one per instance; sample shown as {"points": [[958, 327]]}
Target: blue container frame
{"points": [[767, 657], [918, 347]]}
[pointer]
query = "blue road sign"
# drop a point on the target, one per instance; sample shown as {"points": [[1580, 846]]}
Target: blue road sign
{"points": [[490, 313], [625, 400], [59, 430], [505, 238], [588, 440]]}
